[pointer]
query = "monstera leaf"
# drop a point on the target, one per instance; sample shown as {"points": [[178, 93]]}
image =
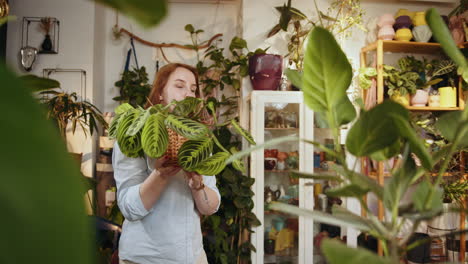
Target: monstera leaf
{"points": [[193, 152], [186, 127], [130, 145], [212, 165], [154, 136]]}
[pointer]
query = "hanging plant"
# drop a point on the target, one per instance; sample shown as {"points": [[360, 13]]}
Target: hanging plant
{"points": [[133, 87], [146, 131]]}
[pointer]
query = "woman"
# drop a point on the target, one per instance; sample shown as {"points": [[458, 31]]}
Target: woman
{"points": [[161, 203]]}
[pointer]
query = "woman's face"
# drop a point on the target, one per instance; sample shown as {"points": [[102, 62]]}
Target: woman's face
{"points": [[181, 84]]}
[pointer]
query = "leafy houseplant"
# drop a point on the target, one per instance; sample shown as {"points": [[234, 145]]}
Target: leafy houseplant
{"points": [[400, 84], [379, 133], [64, 107], [139, 131], [134, 87]]}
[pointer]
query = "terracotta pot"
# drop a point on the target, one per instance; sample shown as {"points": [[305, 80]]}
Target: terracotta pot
{"points": [[402, 22], [422, 33], [420, 98], [265, 71], [386, 33]]}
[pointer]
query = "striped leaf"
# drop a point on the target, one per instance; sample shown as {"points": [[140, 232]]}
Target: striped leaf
{"points": [[154, 136], [114, 125], [186, 127], [187, 106], [244, 133], [139, 122], [193, 152], [212, 165], [129, 145], [123, 108]]}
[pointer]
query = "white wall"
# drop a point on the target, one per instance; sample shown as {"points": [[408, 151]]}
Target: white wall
{"points": [[222, 18]]}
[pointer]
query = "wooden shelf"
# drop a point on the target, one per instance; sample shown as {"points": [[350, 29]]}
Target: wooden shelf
{"points": [[273, 212], [428, 108], [447, 174], [281, 129], [278, 171], [407, 47]]}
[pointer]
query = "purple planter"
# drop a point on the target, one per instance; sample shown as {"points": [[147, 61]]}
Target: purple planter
{"points": [[402, 22], [265, 71]]}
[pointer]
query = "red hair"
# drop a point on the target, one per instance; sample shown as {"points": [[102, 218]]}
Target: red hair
{"points": [[161, 78]]}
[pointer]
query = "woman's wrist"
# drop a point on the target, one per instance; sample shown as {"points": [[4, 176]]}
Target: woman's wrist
{"points": [[200, 186]]}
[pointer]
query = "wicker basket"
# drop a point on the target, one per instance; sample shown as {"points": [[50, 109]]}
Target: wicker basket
{"points": [[175, 142]]}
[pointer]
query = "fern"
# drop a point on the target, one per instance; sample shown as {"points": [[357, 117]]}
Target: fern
{"points": [[244, 133], [139, 122], [154, 136], [213, 165], [193, 152], [186, 127]]}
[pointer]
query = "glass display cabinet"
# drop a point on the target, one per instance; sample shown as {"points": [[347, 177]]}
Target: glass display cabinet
{"points": [[282, 238]]}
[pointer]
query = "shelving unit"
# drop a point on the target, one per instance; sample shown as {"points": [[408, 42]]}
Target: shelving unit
{"points": [[298, 190], [384, 46]]}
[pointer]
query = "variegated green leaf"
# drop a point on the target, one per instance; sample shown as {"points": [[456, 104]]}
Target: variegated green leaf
{"points": [[129, 145], [154, 137], [123, 108], [187, 106], [212, 165], [244, 133], [186, 127], [193, 152], [114, 125], [239, 165], [139, 122]]}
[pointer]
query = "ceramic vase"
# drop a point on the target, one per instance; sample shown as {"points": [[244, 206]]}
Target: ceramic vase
{"points": [[404, 12], [403, 34], [47, 44], [402, 22], [420, 98], [422, 33], [265, 71], [419, 19], [385, 23], [434, 100], [448, 96]]}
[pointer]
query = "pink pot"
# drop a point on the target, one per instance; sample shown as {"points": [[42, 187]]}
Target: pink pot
{"points": [[420, 98], [386, 20], [386, 33]]}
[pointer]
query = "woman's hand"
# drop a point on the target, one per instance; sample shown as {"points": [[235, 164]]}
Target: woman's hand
{"points": [[195, 181], [163, 168]]}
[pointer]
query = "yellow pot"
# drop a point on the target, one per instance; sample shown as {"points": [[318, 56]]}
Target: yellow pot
{"points": [[419, 19], [403, 100], [403, 34], [448, 96], [404, 12]]}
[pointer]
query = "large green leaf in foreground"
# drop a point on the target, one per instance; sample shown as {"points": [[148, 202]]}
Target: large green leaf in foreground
{"points": [[41, 194]]}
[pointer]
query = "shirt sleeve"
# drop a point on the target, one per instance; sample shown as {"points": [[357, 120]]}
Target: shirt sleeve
{"points": [[129, 173], [210, 182]]}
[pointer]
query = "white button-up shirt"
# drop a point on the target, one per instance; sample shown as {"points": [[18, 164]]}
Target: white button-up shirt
{"points": [[170, 231]]}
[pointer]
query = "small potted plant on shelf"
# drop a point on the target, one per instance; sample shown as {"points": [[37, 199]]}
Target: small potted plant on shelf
{"points": [[180, 133], [400, 84]]}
